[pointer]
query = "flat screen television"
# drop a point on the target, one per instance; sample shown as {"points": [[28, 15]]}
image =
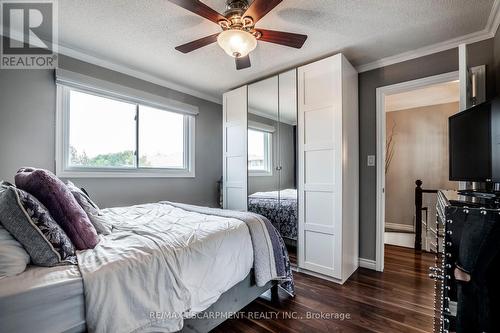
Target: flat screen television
{"points": [[474, 143]]}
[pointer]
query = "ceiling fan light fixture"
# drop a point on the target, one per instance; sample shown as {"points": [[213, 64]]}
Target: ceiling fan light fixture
{"points": [[237, 43]]}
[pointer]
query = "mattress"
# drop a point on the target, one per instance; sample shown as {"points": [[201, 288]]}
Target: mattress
{"points": [[43, 299]]}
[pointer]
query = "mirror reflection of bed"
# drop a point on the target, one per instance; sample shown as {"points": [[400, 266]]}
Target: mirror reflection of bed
{"points": [[272, 155]]}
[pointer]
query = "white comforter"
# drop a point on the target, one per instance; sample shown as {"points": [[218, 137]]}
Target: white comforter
{"points": [[159, 265], [288, 194]]}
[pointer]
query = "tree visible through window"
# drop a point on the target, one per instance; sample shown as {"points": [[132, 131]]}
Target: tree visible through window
{"points": [[101, 132]]}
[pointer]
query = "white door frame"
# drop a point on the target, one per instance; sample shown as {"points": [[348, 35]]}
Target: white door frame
{"points": [[381, 92]]}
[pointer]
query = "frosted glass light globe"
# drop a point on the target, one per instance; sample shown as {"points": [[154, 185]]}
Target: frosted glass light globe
{"points": [[237, 43]]}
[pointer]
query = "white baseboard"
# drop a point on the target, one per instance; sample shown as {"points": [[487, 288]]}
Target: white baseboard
{"points": [[368, 263], [399, 227], [399, 239], [319, 275]]}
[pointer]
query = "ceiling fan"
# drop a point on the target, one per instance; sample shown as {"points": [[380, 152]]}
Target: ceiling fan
{"points": [[239, 36]]}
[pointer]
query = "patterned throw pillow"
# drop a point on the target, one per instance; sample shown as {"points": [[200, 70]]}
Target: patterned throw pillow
{"points": [[92, 210], [31, 224]]}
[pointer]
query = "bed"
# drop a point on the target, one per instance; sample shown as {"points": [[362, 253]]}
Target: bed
{"points": [[280, 207], [51, 299], [161, 259]]}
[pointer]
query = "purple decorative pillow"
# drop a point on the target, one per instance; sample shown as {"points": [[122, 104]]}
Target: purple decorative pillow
{"points": [[93, 212], [63, 207]]}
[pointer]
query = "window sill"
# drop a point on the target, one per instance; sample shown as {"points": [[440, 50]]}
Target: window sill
{"points": [[126, 174]]}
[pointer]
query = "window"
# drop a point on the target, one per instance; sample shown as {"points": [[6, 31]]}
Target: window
{"points": [[104, 136], [156, 127], [259, 152], [101, 132]]}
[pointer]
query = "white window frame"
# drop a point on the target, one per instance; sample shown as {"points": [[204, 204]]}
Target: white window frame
{"points": [[268, 153], [62, 140]]}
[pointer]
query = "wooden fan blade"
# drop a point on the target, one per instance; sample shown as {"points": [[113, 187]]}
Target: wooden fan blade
{"points": [[283, 38], [200, 8], [196, 44], [259, 8], [243, 62]]}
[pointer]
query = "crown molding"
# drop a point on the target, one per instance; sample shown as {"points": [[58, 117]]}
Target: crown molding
{"points": [[94, 60], [488, 32], [494, 19]]}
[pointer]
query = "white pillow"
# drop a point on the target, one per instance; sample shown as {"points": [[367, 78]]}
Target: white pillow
{"points": [[13, 256]]}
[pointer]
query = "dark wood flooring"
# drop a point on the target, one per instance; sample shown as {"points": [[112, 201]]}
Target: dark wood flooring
{"points": [[398, 300]]}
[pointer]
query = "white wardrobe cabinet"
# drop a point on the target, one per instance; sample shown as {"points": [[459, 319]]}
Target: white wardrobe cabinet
{"points": [[328, 168], [328, 165]]}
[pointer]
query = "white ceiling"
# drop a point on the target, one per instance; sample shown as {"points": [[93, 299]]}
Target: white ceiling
{"points": [[442, 93], [141, 35]]}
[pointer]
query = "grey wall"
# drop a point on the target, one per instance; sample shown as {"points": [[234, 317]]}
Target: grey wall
{"points": [[420, 145], [27, 138], [288, 156], [483, 53], [285, 179], [438, 63]]}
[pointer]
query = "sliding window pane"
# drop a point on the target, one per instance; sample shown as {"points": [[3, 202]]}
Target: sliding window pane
{"points": [[161, 139], [102, 132], [259, 153]]}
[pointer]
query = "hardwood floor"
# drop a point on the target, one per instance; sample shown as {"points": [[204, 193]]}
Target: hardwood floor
{"points": [[398, 300]]}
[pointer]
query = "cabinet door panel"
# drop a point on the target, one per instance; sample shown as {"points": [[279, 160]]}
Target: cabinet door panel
{"points": [[235, 149], [319, 252], [318, 126], [314, 211]]}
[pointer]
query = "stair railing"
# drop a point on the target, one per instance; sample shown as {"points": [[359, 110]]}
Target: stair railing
{"points": [[419, 194]]}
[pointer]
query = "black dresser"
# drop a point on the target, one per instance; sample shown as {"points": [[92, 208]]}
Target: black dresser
{"points": [[467, 300]]}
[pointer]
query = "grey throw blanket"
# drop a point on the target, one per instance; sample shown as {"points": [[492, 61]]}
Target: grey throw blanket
{"points": [[271, 260]]}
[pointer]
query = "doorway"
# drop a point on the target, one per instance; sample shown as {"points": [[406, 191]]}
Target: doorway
{"points": [[412, 145]]}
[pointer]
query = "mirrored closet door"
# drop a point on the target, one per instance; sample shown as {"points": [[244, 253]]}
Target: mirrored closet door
{"points": [[272, 154], [297, 133]]}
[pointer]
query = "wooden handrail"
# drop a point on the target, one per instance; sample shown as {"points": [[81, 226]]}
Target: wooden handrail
{"points": [[419, 193]]}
